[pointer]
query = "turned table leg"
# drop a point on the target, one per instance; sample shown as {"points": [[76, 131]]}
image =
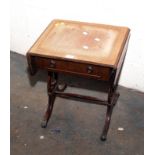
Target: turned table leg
{"points": [[51, 86]]}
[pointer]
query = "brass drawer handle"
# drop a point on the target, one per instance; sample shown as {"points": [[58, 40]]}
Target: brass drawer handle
{"points": [[52, 63], [89, 69]]}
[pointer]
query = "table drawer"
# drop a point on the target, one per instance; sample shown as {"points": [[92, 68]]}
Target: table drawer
{"points": [[65, 66]]}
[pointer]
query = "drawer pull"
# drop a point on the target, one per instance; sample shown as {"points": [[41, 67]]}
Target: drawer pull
{"points": [[89, 69], [52, 63]]}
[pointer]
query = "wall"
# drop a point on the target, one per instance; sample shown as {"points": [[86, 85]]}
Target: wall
{"points": [[30, 17]]}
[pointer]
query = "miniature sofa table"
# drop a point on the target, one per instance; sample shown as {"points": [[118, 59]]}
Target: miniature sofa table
{"points": [[77, 48]]}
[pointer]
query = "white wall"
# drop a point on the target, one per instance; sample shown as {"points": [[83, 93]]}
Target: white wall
{"points": [[30, 17]]}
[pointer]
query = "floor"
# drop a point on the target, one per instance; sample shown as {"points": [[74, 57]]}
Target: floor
{"points": [[75, 127]]}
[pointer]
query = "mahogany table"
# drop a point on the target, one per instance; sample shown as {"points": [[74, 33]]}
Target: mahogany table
{"points": [[85, 49]]}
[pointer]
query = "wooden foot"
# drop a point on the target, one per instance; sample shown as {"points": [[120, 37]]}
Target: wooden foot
{"points": [[103, 138], [51, 86], [44, 123]]}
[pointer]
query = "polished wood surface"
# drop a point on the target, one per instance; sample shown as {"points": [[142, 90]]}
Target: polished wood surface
{"points": [[83, 42], [88, 70], [87, 50]]}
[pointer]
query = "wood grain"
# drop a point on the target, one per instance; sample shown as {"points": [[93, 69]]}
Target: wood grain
{"points": [[79, 41]]}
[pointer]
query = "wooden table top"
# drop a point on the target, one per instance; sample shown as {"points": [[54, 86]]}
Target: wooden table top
{"points": [[79, 41]]}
